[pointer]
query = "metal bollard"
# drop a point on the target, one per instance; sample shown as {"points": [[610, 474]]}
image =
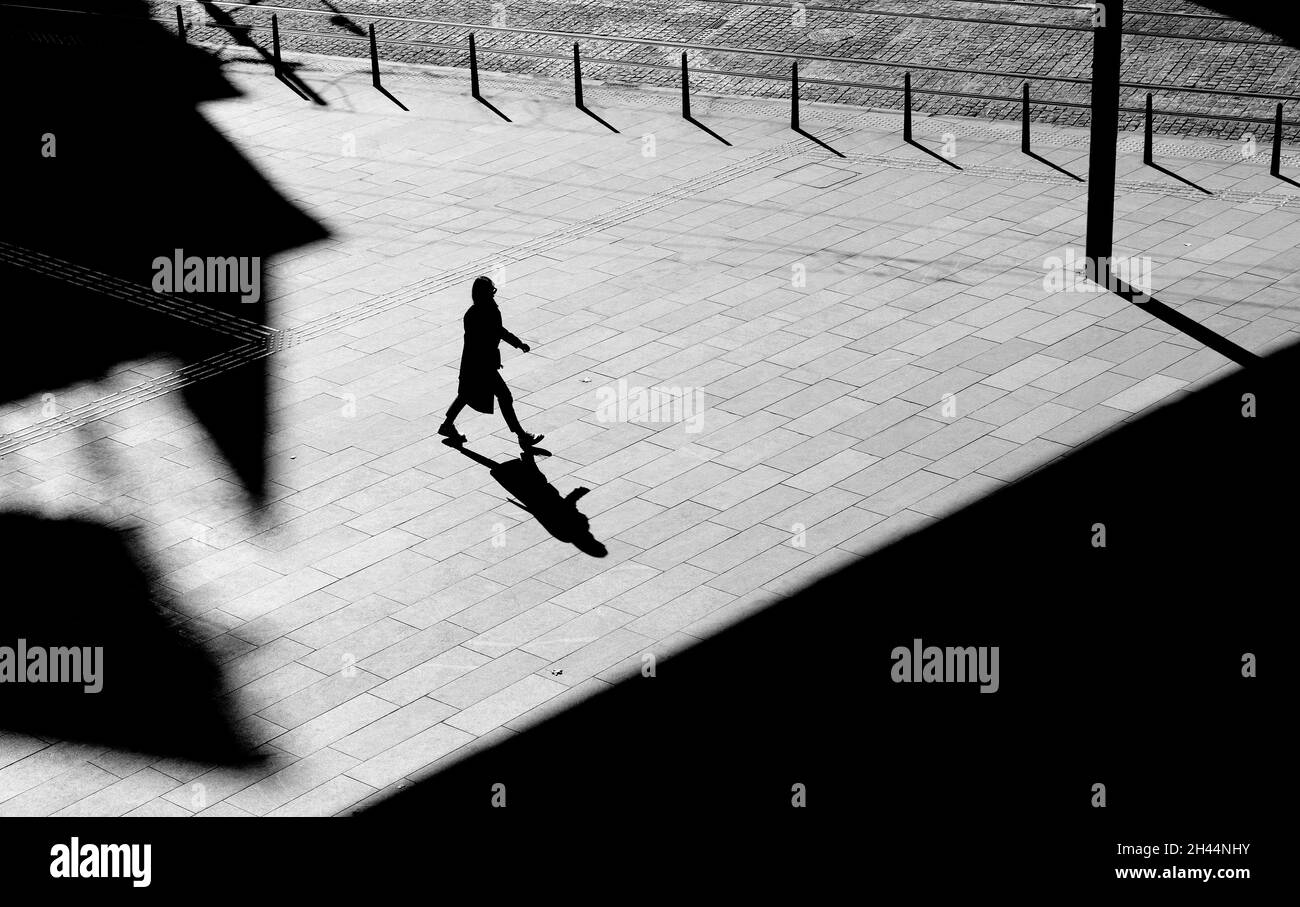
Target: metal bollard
{"points": [[577, 76], [275, 43], [794, 95], [1147, 133], [374, 58], [907, 107], [473, 67], [686, 89], [1024, 118], [1275, 167]]}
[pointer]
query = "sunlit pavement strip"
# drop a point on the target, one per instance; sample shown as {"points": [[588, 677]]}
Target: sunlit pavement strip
{"points": [[871, 337]]}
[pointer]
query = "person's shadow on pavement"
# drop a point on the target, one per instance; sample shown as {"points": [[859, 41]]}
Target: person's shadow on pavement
{"points": [[559, 515]]}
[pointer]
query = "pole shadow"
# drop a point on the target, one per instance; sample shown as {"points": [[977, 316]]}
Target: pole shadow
{"points": [[1287, 179], [934, 154], [1057, 167], [1194, 329], [813, 138], [279, 74], [558, 514], [690, 119], [596, 117], [1182, 179]]}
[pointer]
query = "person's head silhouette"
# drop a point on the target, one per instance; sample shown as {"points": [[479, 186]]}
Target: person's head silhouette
{"points": [[484, 290]]}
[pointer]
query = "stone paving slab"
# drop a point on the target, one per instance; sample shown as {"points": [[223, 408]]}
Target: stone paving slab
{"points": [[870, 337]]}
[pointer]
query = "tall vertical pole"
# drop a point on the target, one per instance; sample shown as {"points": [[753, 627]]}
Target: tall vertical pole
{"points": [[907, 107], [1276, 167], [275, 43], [577, 76], [374, 57], [1147, 154], [794, 95], [473, 67], [686, 89], [1024, 118], [1108, 28]]}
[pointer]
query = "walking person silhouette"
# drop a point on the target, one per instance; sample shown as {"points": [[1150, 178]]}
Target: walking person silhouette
{"points": [[480, 378]]}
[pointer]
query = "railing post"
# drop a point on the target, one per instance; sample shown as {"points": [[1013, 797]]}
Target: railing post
{"points": [[1024, 118], [275, 43], [1276, 167], [180, 24], [473, 67], [374, 57], [577, 76], [686, 89], [1146, 135], [794, 95], [907, 107], [1103, 139]]}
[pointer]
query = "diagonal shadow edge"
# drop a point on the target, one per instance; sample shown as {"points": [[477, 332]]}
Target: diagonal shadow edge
{"points": [[728, 710]]}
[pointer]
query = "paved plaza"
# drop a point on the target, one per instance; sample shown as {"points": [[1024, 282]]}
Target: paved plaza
{"points": [[855, 344]]}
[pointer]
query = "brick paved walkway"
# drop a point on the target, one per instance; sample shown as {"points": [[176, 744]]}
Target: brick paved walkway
{"points": [[871, 337], [1262, 67]]}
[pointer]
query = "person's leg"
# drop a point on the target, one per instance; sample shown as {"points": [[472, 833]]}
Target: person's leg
{"points": [[454, 410], [448, 426], [507, 404]]}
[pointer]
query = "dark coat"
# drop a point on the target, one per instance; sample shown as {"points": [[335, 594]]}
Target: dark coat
{"points": [[479, 382]]}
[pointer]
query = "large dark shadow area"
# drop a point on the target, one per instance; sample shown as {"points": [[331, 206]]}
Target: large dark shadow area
{"points": [[88, 650], [1121, 663], [110, 167]]}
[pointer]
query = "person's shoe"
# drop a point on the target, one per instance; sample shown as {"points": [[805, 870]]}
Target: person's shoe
{"points": [[450, 433], [527, 440]]}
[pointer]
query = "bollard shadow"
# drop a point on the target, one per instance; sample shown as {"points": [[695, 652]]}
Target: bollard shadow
{"points": [[388, 94], [596, 117], [531, 491], [934, 154], [1057, 167], [284, 72], [813, 138], [289, 84], [691, 119], [1182, 179], [490, 106]]}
